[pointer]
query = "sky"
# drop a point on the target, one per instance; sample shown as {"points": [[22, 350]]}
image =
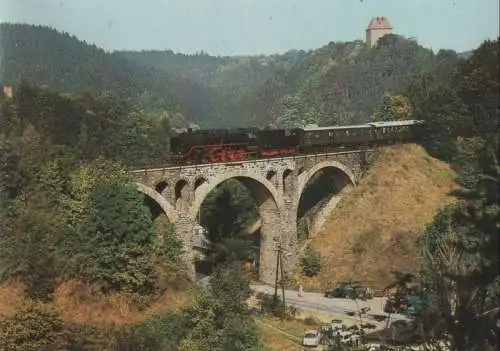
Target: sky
{"points": [[240, 27]]}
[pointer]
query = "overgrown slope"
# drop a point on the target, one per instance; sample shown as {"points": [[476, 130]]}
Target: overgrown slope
{"points": [[81, 304], [373, 230]]}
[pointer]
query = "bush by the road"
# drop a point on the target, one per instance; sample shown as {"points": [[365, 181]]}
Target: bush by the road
{"points": [[310, 263]]}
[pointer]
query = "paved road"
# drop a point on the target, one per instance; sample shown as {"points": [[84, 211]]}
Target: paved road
{"points": [[333, 306]]}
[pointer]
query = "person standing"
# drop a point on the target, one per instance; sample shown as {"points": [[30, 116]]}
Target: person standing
{"points": [[300, 290]]}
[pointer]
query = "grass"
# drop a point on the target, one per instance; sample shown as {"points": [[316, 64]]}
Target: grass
{"points": [[373, 230], [282, 335], [82, 304], [11, 296]]}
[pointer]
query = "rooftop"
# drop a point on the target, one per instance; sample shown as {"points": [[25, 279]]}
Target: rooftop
{"points": [[379, 23]]}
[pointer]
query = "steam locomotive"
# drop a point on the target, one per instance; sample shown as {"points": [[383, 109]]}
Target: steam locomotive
{"points": [[226, 145]]}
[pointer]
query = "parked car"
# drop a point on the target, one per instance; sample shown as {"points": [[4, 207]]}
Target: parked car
{"points": [[410, 304], [344, 290], [339, 291], [312, 338]]}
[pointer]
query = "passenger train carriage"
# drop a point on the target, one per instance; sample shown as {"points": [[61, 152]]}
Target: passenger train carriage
{"points": [[224, 145]]}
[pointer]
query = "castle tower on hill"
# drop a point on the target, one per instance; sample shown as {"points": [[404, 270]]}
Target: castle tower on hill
{"points": [[378, 27]]}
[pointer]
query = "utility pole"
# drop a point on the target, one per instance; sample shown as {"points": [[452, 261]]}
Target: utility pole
{"points": [[282, 279], [279, 270]]}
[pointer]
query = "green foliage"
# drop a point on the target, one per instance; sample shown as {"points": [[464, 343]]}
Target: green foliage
{"points": [[460, 246], [213, 90], [50, 176], [219, 318], [168, 258], [230, 251], [33, 327], [302, 229], [393, 108], [169, 246], [343, 82], [310, 263], [32, 53], [228, 210], [336, 84], [33, 223], [273, 306], [12, 177], [27, 244], [86, 127], [159, 333], [113, 244]]}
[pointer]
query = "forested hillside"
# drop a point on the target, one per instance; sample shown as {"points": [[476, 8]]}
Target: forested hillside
{"points": [[220, 91], [44, 56], [337, 84], [454, 255], [81, 257], [211, 71]]}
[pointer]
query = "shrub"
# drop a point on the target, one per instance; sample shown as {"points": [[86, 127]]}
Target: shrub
{"points": [[113, 246], [161, 333], [34, 326], [312, 321], [310, 263]]}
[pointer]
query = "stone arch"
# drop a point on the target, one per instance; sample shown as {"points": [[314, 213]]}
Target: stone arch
{"points": [[257, 180], [343, 180], [167, 208], [306, 176], [270, 207]]}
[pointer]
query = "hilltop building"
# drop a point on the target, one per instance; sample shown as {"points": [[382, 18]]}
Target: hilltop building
{"points": [[378, 27]]}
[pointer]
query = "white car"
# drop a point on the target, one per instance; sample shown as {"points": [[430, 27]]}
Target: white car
{"points": [[311, 338]]}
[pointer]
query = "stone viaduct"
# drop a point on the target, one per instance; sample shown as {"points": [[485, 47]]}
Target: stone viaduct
{"points": [[276, 184]]}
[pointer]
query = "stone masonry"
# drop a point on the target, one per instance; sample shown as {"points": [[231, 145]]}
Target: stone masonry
{"points": [[276, 184]]}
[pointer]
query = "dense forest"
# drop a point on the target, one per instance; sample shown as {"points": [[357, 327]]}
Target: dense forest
{"points": [[44, 56], [339, 83], [69, 209]]}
